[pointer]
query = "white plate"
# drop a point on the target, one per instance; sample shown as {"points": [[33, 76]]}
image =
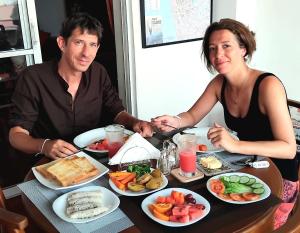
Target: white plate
{"points": [[201, 134], [262, 196], [53, 185], [226, 167], [87, 138], [109, 199], [143, 192], [166, 192]]}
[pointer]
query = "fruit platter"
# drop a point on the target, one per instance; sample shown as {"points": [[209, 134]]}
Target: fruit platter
{"points": [[175, 207], [238, 188], [138, 179]]}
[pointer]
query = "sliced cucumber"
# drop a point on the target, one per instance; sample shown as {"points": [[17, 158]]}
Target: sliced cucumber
{"points": [[234, 178], [259, 190], [251, 181], [257, 185], [226, 178], [244, 179]]}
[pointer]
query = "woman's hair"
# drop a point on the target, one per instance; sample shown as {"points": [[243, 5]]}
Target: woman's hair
{"points": [[83, 21], [244, 36]]}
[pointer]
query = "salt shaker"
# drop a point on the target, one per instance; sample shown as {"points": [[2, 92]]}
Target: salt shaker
{"points": [[163, 162]]}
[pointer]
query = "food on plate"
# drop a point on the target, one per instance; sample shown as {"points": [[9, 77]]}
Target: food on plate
{"points": [[154, 183], [125, 180], [156, 173], [135, 187], [139, 169], [68, 171], [202, 147], [237, 188], [177, 207], [99, 145], [211, 162], [85, 204], [144, 178], [102, 144], [78, 195]]}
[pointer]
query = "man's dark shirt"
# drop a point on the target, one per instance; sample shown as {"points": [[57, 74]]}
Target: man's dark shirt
{"points": [[43, 106]]}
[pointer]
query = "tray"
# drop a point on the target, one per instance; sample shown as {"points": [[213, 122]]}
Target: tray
{"points": [[226, 167]]}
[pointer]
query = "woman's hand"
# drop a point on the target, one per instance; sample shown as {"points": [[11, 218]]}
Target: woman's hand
{"points": [[56, 149], [221, 138], [166, 123]]}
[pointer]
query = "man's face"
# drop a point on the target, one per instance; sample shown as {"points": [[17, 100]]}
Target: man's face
{"points": [[79, 51]]}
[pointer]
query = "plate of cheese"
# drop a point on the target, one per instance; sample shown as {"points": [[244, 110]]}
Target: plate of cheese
{"points": [[69, 172], [211, 164], [85, 204]]}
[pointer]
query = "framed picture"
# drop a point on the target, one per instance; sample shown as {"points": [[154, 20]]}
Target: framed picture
{"points": [[165, 22]]}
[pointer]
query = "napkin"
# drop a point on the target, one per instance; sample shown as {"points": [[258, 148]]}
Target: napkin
{"points": [[136, 148]]}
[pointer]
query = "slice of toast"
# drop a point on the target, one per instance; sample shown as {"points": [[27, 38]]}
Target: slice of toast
{"points": [[65, 172], [68, 171], [86, 166], [43, 169], [71, 171]]}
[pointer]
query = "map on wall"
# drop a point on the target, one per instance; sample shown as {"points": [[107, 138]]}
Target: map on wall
{"points": [[174, 21]]}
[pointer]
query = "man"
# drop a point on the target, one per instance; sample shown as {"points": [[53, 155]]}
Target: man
{"points": [[54, 102]]}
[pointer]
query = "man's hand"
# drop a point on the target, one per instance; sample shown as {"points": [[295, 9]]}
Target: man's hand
{"points": [[56, 149], [144, 128]]}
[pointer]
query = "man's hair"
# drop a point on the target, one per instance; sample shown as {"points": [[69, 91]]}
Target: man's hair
{"points": [[83, 21]]}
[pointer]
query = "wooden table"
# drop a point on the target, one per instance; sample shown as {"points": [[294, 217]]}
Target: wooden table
{"points": [[223, 217]]}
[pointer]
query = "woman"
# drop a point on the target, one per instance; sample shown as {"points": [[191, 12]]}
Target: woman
{"points": [[254, 102]]}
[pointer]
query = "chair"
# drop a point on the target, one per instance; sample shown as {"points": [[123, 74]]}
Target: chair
{"points": [[293, 223], [10, 222]]}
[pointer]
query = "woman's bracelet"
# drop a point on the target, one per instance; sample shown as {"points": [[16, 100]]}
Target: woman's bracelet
{"points": [[179, 121], [42, 147]]}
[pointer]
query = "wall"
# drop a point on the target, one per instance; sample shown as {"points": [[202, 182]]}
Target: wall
{"points": [[169, 79], [278, 49]]}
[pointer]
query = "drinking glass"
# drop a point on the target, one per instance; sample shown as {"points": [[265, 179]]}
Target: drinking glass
{"points": [[187, 147], [115, 138]]}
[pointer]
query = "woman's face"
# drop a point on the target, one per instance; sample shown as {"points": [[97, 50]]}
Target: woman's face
{"points": [[225, 53]]}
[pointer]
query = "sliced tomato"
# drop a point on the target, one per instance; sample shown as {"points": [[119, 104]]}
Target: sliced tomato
{"points": [[236, 197], [202, 147], [250, 196], [224, 196], [217, 186]]}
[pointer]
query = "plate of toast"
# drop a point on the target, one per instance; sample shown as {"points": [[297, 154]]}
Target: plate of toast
{"points": [[69, 172]]}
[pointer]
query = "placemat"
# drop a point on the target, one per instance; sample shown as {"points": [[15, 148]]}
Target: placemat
{"points": [[43, 197], [231, 157]]}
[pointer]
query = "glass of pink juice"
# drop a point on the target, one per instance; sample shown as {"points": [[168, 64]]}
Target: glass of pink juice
{"points": [[115, 138], [187, 162], [187, 154], [113, 148]]}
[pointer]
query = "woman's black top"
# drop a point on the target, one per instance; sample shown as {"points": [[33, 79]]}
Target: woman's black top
{"points": [[255, 126]]}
